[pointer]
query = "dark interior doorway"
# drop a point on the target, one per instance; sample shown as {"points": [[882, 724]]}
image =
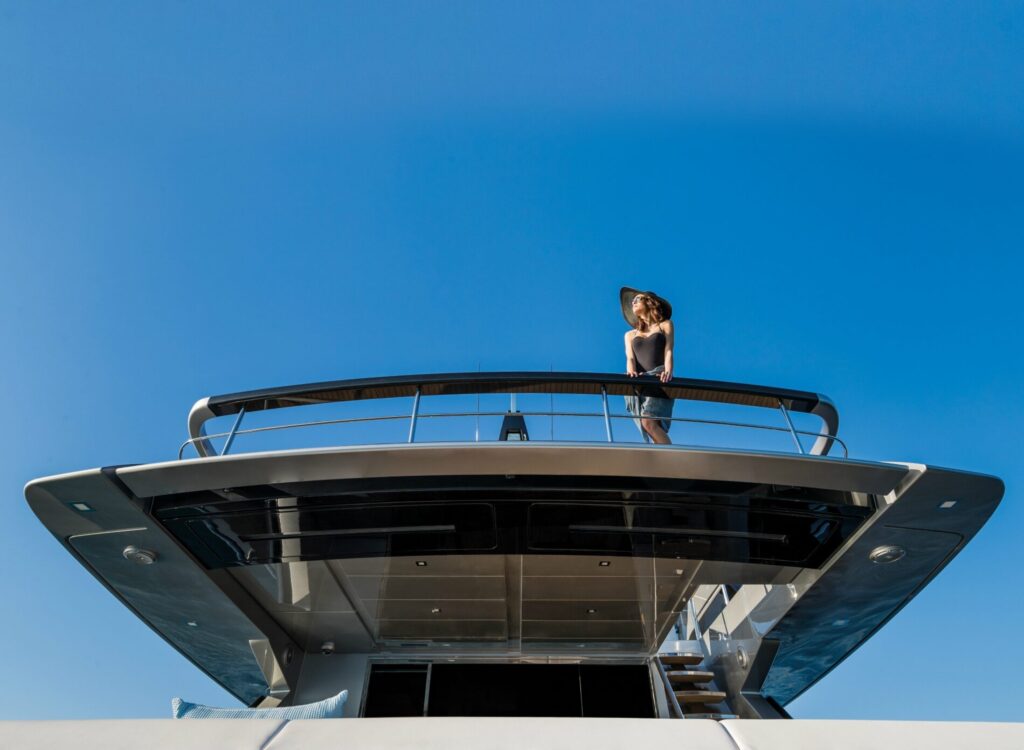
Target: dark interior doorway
{"points": [[594, 690]]}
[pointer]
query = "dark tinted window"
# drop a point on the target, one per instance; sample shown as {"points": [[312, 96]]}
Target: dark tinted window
{"points": [[396, 690]]}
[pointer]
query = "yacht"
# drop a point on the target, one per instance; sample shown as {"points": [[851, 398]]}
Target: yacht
{"points": [[499, 560]]}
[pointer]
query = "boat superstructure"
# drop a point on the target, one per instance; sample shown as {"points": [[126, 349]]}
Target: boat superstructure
{"points": [[479, 549]]}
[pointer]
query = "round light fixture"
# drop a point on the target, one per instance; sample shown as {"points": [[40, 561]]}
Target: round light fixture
{"points": [[887, 553], [138, 555]]}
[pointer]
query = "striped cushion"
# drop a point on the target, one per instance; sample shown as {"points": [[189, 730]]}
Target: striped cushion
{"points": [[328, 708]]}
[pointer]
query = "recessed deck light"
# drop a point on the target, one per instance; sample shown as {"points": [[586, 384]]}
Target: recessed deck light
{"points": [[605, 563], [947, 505], [421, 563], [591, 611], [887, 553], [82, 507], [138, 555], [435, 611]]}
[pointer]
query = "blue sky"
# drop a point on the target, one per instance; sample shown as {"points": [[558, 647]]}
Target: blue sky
{"points": [[197, 200]]}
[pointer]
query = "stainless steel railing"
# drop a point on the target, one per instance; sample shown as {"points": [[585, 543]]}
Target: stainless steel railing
{"points": [[230, 436], [576, 384]]}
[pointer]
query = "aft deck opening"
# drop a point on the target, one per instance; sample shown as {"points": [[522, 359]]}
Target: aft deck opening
{"points": [[584, 690]]}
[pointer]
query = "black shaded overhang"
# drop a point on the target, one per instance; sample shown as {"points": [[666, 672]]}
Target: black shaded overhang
{"points": [[612, 516]]}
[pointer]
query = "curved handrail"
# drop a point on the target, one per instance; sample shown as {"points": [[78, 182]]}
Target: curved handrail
{"points": [[395, 417], [512, 382]]}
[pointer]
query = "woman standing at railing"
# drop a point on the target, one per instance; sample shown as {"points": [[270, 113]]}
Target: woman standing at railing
{"points": [[649, 352]]}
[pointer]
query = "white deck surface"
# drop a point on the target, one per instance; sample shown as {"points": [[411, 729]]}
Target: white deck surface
{"points": [[506, 734]]}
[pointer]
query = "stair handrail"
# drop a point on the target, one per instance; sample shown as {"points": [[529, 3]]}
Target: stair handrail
{"points": [[671, 692]]}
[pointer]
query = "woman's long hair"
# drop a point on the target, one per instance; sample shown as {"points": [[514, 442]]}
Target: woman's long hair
{"points": [[655, 314]]}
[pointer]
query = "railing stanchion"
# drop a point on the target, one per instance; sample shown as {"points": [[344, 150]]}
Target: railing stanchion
{"points": [[415, 413], [694, 621], [607, 419], [792, 430], [639, 422], [234, 429]]}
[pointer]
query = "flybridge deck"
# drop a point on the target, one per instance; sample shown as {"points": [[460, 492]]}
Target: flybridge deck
{"points": [[429, 567]]}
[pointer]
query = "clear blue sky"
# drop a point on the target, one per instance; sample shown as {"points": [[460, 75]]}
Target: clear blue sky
{"points": [[198, 199]]}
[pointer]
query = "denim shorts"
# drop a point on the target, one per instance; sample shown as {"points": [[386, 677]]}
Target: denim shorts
{"points": [[651, 406]]}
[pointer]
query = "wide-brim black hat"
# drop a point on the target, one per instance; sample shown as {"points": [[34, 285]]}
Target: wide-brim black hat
{"points": [[626, 295]]}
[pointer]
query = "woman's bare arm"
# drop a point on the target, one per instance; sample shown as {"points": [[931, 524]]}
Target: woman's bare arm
{"points": [[670, 340], [630, 358]]}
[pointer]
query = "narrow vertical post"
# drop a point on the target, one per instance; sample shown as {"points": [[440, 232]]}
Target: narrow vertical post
{"points": [[234, 429], [426, 689], [694, 621], [792, 430], [551, 411], [607, 419], [415, 413], [639, 421], [551, 406]]}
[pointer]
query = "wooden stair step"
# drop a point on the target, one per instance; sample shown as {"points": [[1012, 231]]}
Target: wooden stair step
{"points": [[681, 660], [699, 696], [690, 676]]}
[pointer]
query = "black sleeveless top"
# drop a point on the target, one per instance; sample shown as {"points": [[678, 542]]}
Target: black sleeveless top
{"points": [[649, 351]]}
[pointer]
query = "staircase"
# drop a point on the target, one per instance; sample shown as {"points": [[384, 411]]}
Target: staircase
{"points": [[693, 688]]}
